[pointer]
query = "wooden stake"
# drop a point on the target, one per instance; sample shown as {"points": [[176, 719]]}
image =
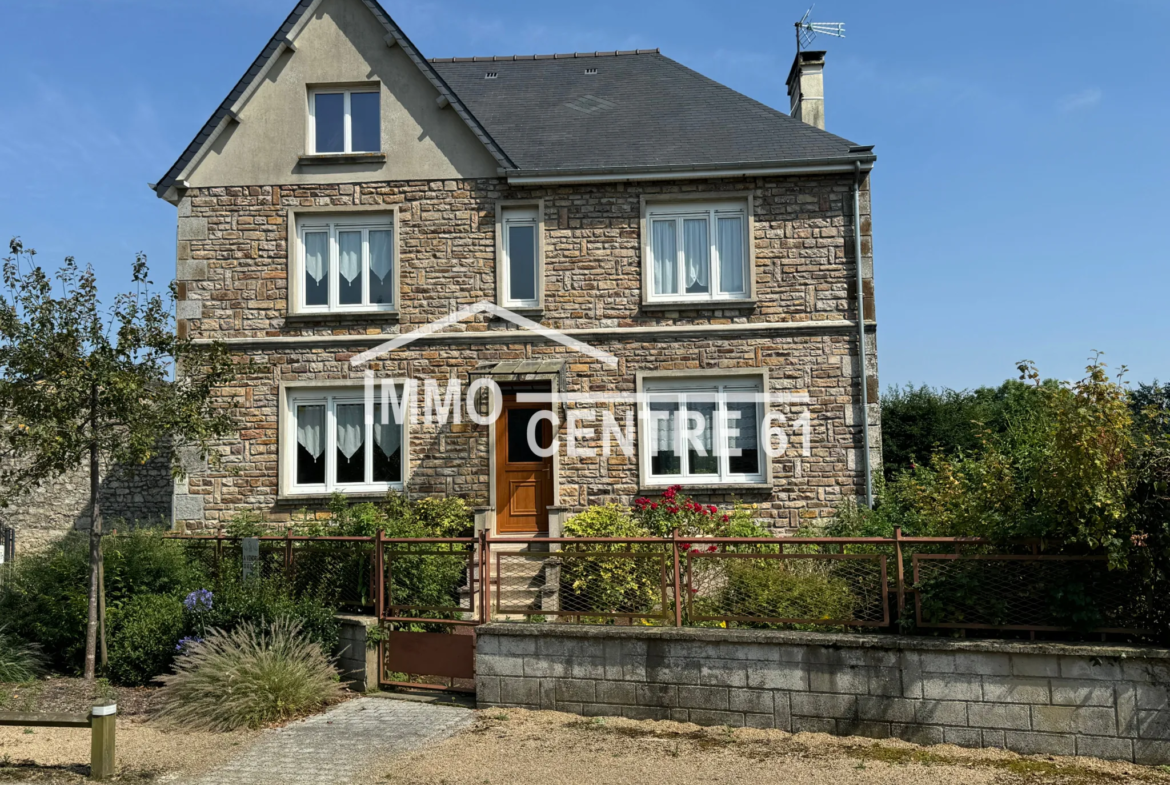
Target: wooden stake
{"points": [[103, 722]]}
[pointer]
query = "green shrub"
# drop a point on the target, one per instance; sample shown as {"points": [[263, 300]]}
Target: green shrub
{"points": [[257, 601], [622, 584], [19, 661], [45, 597], [611, 520], [919, 422], [396, 515], [145, 561], [770, 588], [252, 676], [143, 633], [610, 584]]}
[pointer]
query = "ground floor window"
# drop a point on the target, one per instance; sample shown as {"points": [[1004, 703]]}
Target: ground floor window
{"points": [[703, 431], [335, 448]]}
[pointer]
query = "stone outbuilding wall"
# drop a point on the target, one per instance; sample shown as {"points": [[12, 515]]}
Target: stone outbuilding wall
{"points": [[138, 497], [1035, 698]]}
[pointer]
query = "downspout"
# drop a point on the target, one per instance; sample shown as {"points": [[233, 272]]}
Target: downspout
{"points": [[861, 375]]}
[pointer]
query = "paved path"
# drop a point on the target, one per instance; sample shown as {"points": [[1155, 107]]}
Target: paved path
{"points": [[339, 745]]}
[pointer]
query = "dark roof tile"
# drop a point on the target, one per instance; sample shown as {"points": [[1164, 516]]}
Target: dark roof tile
{"points": [[648, 111]]}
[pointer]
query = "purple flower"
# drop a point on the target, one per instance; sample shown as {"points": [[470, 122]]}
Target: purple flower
{"points": [[199, 600], [185, 642]]}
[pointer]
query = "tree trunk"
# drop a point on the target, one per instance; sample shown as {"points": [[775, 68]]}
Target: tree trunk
{"points": [[95, 540]]}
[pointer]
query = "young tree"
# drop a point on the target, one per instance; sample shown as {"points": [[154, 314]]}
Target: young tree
{"points": [[84, 385]]}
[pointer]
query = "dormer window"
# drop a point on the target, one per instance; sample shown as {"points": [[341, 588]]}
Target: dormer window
{"points": [[345, 121]]}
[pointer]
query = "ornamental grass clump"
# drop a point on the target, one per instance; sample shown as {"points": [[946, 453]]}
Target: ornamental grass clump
{"points": [[19, 661], [252, 676]]}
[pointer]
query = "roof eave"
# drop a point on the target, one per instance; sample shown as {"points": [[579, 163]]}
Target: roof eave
{"points": [[838, 164]]}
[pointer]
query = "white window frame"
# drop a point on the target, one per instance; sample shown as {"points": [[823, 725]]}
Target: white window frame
{"points": [[711, 211], [330, 398], [521, 216], [335, 225], [513, 212], [718, 388], [347, 133]]}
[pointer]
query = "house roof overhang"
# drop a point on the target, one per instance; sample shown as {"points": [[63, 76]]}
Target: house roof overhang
{"points": [[863, 157]]}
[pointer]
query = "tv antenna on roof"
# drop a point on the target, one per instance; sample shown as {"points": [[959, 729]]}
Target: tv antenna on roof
{"points": [[806, 31]]}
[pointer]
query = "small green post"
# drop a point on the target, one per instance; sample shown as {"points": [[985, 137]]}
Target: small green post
{"points": [[101, 752]]}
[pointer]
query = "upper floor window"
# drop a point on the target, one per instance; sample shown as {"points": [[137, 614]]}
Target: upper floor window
{"points": [[345, 263], [520, 254], [345, 121], [521, 268], [698, 251]]}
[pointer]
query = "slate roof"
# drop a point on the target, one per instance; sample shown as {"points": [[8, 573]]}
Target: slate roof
{"points": [[639, 109]]}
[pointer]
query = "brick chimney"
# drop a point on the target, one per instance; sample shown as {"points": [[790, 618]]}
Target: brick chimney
{"points": [[806, 88]]}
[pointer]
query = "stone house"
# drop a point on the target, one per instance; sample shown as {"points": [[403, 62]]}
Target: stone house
{"points": [[713, 251]]}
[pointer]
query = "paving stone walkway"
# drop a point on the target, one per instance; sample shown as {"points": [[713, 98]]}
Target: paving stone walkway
{"points": [[339, 745]]}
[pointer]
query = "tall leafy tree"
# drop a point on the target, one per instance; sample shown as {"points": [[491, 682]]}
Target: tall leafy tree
{"points": [[82, 384]]}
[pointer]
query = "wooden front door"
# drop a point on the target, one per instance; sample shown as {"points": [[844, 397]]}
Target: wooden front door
{"points": [[524, 481]]}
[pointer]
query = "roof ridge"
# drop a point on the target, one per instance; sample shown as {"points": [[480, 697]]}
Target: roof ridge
{"points": [[559, 56]]}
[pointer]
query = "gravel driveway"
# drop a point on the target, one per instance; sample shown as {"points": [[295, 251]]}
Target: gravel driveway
{"points": [[515, 747]]}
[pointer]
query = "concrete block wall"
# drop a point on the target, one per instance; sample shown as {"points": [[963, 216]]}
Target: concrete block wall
{"points": [[356, 660], [1034, 698]]}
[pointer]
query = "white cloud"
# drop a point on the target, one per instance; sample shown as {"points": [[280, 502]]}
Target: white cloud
{"points": [[1085, 99]]}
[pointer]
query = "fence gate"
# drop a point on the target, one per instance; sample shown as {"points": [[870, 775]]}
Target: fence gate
{"points": [[430, 599]]}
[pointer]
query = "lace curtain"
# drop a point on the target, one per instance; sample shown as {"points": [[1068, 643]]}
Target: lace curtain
{"points": [[695, 252], [701, 425], [311, 429], [381, 260], [351, 427], [731, 262], [349, 248], [664, 417], [316, 255], [388, 437], [665, 248], [746, 424]]}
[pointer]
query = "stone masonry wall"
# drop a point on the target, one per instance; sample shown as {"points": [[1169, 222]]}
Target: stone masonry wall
{"points": [[453, 460], [62, 504], [233, 254], [233, 270], [1059, 699]]}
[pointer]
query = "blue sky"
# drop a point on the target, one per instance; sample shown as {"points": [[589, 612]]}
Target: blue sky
{"points": [[1019, 195]]}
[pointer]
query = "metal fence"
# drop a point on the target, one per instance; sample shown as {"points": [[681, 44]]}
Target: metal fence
{"points": [[899, 583], [1034, 593]]}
